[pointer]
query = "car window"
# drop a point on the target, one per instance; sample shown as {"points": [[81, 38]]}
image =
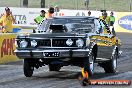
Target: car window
{"points": [[102, 27], [44, 25], [81, 25], [97, 25]]}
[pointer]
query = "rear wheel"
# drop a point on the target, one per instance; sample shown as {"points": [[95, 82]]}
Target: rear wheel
{"points": [[53, 67], [111, 66], [28, 68]]}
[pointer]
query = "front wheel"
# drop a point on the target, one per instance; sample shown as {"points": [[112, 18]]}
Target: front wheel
{"points": [[28, 68], [89, 64]]}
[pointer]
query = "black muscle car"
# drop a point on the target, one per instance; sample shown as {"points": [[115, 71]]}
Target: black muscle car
{"points": [[63, 41]]}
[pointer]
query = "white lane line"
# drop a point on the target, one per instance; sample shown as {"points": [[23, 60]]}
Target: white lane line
{"points": [[16, 77], [125, 75]]}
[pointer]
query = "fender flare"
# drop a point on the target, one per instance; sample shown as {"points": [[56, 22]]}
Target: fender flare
{"points": [[93, 48], [115, 49]]}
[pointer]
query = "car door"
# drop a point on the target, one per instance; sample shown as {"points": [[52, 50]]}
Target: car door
{"points": [[105, 41]]}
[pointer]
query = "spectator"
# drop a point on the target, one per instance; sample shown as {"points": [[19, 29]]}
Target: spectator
{"points": [[105, 17], [6, 21], [39, 18], [112, 19], [89, 13], [49, 13]]}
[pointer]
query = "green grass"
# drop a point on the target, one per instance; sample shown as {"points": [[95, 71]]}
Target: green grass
{"points": [[114, 5]]}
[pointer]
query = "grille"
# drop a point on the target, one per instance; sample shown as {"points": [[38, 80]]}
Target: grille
{"points": [[46, 42], [62, 43], [55, 43]]}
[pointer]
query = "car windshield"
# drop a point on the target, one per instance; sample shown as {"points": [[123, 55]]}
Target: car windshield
{"points": [[81, 25]]}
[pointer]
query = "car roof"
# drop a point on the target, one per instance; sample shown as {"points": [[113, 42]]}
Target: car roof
{"points": [[74, 17]]}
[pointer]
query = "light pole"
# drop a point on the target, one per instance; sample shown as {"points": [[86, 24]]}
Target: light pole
{"points": [[130, 5], [25, 3], [20, 3], [77, 5], [104, 5], [42, 3], [86, 4], [48, 3]]}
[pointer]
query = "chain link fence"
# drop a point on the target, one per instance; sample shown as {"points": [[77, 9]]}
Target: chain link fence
{"points": [[113, 5]]}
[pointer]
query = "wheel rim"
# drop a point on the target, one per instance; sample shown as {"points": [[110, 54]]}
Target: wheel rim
{"points": [[91, 63], [115, 61], [32, 68]]}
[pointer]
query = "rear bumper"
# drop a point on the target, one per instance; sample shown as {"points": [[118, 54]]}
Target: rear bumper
{"points": [[51, 53]]}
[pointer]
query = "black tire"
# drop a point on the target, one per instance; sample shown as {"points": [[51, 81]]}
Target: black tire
{"points": [[88, 66], [54, 67], [113, 31], [111, 66], [28, 68]]}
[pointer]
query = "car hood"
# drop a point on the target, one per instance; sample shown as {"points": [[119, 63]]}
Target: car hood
{"points": [[52, 35]]}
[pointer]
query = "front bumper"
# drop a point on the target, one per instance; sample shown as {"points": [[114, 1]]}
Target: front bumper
{"points": [[52, 53]]}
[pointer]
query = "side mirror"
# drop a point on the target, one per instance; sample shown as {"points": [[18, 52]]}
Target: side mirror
{"points": [[34, 31]]}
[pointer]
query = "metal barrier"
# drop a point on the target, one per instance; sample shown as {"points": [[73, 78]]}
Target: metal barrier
{"points": [[115, 5]]}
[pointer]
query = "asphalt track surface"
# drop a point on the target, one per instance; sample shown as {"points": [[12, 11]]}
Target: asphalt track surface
{"points": [[11, 74]]}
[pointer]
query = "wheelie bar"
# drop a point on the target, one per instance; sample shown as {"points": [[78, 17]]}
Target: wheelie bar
{"points": [[84, 78]]}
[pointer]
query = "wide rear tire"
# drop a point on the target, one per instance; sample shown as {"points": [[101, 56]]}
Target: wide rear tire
{"points": [[111, 66]]}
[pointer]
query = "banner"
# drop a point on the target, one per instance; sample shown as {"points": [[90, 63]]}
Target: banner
{"points": [[26, 16], [124, 22], [23, 16], [7, 47]]}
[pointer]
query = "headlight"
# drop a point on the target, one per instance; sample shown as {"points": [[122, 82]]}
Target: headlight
{"points": [[16, 43], [80, 43], [69, 42], [87, 41], [33, 43], [23, 44]]}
